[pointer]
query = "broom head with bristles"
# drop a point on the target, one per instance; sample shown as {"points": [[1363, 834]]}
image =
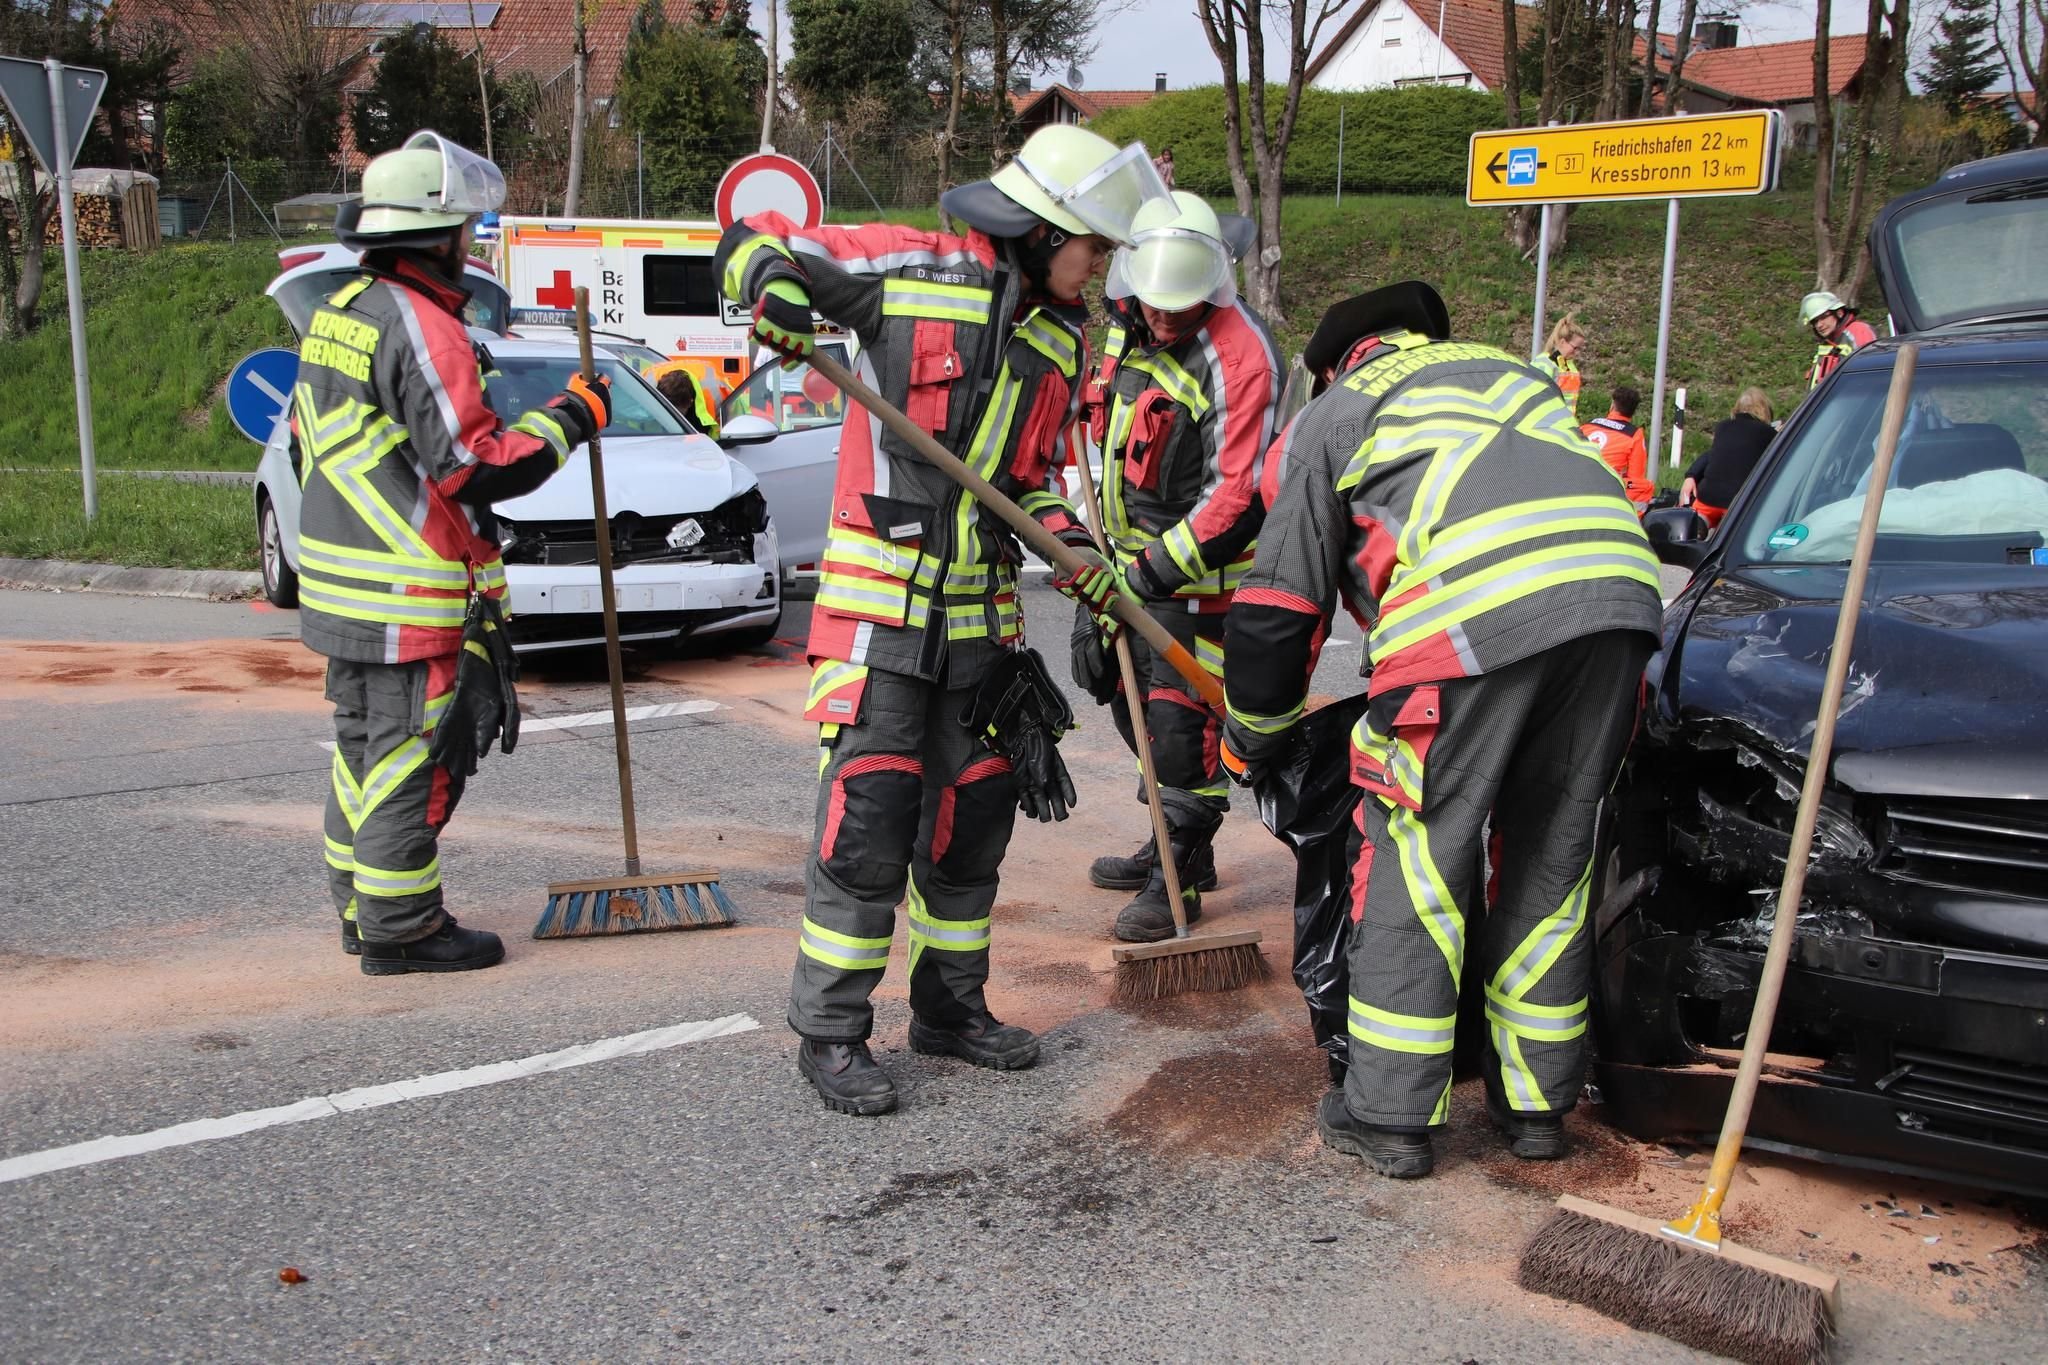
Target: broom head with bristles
{"points": [[1181, 966], [632, 905], [1733, 1302]]}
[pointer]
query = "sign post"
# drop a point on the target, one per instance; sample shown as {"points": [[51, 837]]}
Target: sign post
{"points": [[1703, 156], [53, 108]]}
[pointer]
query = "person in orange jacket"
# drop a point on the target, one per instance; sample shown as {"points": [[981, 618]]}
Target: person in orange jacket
{"points": [[1620, 442], [1560, 360]]}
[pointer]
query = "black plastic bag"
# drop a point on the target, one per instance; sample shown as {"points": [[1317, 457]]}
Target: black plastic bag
{"points": [[1308, 802]]}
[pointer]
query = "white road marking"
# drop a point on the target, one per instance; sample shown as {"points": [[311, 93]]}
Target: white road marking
{"points": [[369, 1097], [529, 724]]}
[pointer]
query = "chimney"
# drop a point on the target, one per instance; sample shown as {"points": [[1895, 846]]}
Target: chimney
{"points": [[1159, 82], [1714, 34]]}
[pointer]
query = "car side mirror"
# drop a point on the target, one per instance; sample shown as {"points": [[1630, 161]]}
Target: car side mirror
{"points": [[747, 430], [1678, 536]]}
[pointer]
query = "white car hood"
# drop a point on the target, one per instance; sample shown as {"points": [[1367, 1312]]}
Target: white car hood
{"points": [[648, 475]]}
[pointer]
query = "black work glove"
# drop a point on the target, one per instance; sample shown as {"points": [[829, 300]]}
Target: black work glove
{"points": [[484, 708], [1020, 713], [1093, 659]]}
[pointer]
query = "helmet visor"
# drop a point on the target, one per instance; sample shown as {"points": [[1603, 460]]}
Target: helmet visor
{"points": [[1108, 197], [470, 185], [1171, 269]]}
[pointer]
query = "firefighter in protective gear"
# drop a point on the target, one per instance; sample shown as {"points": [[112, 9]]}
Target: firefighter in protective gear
{"points": [[401, 463], [1509, 599], [978, 339], [1620, 442], [1190, 379], [691, 397], [1836, 330]]}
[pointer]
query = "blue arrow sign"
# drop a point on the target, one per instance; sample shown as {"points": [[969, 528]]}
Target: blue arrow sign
{"points": [[260, 389]]}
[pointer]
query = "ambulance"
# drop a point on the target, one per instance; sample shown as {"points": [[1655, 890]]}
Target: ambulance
{"points": [[650, 280]]}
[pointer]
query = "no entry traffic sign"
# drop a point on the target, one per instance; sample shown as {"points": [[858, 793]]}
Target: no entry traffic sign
{"points": [[769, 183], [1659, 158]]}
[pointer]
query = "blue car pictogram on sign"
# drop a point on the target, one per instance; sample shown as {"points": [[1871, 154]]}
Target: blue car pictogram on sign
{"points": [[1522, 165]]}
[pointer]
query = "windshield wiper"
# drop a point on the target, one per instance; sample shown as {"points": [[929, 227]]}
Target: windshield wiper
{"points": [[2032, 189]]}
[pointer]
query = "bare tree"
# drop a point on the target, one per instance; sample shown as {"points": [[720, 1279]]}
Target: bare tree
{"points": [[1840, 229], [483, 86], [2026, 57], [1231, 25], [1687, 16], [1033, 36], [1648, 95], [304, 52], [770, 94], [579, 106]]}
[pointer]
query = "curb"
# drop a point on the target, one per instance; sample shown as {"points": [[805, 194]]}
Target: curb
{"points": [[63, 575]]}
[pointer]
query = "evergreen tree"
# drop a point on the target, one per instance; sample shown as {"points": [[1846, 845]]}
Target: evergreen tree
{"points": [[1962, 63], [423, 81], [844, 50], [683, 93]]}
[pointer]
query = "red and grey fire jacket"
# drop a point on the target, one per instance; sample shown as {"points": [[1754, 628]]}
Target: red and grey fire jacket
{"points": [[400, 460], [916, 578], [1851, 337], [1443, 492], [1185, 427]]}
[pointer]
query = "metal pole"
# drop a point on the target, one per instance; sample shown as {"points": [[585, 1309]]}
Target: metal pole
{"points": [[1340, 155], [1663, 332], [828, 168], [74, 296], [229, 181], [1542, 281], [640, 172]]}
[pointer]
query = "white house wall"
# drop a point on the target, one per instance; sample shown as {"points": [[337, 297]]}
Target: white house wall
{"points": [[1393, 47]]}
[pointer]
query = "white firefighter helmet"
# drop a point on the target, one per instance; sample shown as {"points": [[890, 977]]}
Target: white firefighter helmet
{"points": [[1818, 302], [426, 187], [1177, 258], [1076, 181]]}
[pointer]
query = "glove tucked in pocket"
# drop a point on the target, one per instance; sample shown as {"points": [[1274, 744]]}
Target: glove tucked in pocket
{"points": [[1020, 713], [484, 708]]}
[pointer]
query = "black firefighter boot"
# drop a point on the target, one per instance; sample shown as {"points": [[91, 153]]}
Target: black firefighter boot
{"points": [[451, 948], [1397, 1153], [983, 1040], [1149, 916], [1114, 872], [846, 1076]]}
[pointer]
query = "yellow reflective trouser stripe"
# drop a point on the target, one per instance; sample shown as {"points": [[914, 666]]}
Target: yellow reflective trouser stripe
{"points": [[829, 676], [377, 881], [1393, 753], [347, 793], [1545, 1023], [1434, 905], [1402, 1032], [341, 857], [1499, 584], [391, 773], [743, 256], [842, 950], [339, 600], [953, 935], [929, 299], [1533, 957]]}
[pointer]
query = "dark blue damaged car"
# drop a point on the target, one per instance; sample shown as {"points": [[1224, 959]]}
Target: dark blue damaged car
{"points": [[1913, 1032]]}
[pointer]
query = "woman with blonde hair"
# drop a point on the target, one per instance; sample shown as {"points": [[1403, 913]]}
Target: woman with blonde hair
{"points": [[1560, 360], [1719, 473]]}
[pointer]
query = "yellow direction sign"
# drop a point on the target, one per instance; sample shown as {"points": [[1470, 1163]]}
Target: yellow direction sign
{"points": [[1661, 158]]}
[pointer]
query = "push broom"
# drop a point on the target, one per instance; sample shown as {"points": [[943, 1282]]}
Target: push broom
{"points": [[635, 902], [1680, 1279], [1150, 971]]}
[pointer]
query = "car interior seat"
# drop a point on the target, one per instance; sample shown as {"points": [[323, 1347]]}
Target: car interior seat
{"points": [[1957, 452]]}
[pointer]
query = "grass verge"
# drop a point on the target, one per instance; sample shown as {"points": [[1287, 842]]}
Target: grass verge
{"points": [[152, 523]]}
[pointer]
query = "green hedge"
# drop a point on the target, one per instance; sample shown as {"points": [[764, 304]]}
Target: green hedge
{"points": [[1395, 141]]}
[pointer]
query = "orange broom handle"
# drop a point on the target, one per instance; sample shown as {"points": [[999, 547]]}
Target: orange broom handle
{"points": [[1126, 608]]}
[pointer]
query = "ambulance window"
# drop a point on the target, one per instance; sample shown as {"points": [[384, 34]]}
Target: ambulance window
{"points": [[679, 286]]}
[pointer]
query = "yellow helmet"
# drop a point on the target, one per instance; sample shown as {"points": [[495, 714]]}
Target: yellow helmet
{"points": [[1068, 177], [1178, 256]]}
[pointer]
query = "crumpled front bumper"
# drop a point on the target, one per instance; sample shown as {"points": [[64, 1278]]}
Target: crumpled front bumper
{"points": [[559, 606]]}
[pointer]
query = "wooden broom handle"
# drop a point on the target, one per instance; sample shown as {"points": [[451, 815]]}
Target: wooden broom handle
{"points": [[1125, 608], [1134, 703], [1703, 1221], [613, 666]]}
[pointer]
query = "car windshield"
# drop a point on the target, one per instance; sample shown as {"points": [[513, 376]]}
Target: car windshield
{"points": [[794, 399], [1973, 256], [641, 358], [525, 382], [1969, 484]]}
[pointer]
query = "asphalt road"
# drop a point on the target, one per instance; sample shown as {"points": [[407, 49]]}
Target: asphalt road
{"points": [[1152, 1191]]}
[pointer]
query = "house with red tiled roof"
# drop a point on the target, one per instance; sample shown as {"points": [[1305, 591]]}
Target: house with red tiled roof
{"points": [[1064, 104], [1398, 43], [1773, 76]]}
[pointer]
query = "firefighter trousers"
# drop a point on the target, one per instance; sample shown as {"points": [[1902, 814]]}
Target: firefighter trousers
{"points": [[386, 802], [1186, 735], [908, 802], [1535, 746]]}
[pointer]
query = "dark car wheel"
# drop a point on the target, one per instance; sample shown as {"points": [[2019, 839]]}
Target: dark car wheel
{"points": [[755, 637], [280, 580]]}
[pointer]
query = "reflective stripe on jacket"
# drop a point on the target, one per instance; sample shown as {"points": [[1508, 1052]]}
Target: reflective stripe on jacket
{"points": [[1184, 439], [390, 416], [1565, 374], [948, 336], [1443, 493], [1852, 337]]}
